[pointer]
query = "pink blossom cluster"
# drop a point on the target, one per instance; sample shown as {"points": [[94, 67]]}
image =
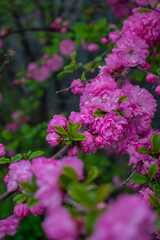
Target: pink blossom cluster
{"points": [[127, 218], [59, 25], [121, 8], [42, 73], [17, 118], [50, 195], [91, 47]]}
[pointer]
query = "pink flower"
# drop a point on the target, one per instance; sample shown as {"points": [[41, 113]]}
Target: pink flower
{"points": [[150, 78], [67, 46], [93, 47], [8, 226], [55, 64], [157, 89], [113, 37], [2, 150], [57, 120], [59, 225], [88, 146], [21, 210], [104, 41], [144, 194], [73, 151], [127, 218], [41, 74], [75, 163], [77, 86], [53, 139], [32, 66], [131, 49], [18, 172]]}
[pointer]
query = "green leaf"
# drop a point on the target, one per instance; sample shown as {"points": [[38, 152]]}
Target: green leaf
{"points": [[80, 194], [154, 200], [79, 137], [89, 66], [144, 150], [152, 171], [70, 173], [93, 174], [28, 187], [98, 59], [122, 99], [139, 178], [103, 192], [4, 160], [36, 154], [99, 113], [121, 113], [60, 130], [144, 10], [19, 198], [73, 59], [73, 128], [83, 77], [32, 201], [90, 221], [155, 4], [64, 181], [155, 140], [16, 158]]}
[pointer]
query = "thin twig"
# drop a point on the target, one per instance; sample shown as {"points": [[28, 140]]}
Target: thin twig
{"points": [[144, 70], [147, 6], [78, 206], [22, 30], [127, 180], [6, 195]]}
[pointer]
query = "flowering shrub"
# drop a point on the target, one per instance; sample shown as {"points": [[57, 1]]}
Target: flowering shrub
{"points": [[77, 195]]}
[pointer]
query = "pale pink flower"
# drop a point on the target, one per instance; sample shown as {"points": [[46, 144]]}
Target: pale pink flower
{"points": [[8, 226], [59, 225], [127, 218], [67, 46], [18, 172]]}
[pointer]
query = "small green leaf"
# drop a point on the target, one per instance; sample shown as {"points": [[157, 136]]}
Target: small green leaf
{"points": [[103, 192], [98, 59], [36, 154], [70, 173], [152, 171], [90, 221], [89, 66], [19, 198], [4, 160], [83, 77], [122, 99], [144, 10], [64, 181], [73, 128], [154, 200], [144, 150], [79, 137], [92, 175], [155, 140], [139, 178], [28, 187], [99, 113], [32, 201], [155, 4], [16, 158], [121, 113], [60, 130], [80, 194]]}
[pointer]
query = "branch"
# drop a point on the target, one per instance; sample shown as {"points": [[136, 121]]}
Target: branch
{"points": [[78, 206], [144, 70], [22, 30], [62, 152], [147, 6], [127, 180], [121, 78], [5, 196]]}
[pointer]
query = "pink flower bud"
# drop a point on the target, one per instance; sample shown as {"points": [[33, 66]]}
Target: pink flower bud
{"points": [[65, 24], [73, 151], [53, 139], [104, 41], [93, 47], [63, 30], [58, 20], [2, 150], [21, 210], [157, 90], [150, 78], [32, 66], [98, 141], [138, 147], [6, 179], [77, 86], [146, 66]]}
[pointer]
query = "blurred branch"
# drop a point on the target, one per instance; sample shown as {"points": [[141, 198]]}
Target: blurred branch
{"points": [[144, 70], [22, 30], [9, 57], [5, 196], [146, 6]]}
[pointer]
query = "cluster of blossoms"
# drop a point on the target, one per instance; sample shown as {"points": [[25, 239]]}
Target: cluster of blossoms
{"points": [[59, 25], [48, 64], [51, 198]]}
